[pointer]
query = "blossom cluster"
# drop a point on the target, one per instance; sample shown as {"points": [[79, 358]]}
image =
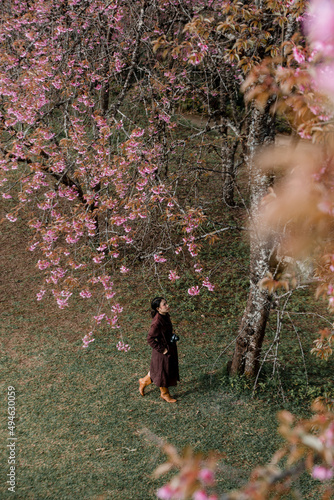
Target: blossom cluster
{"points": [[173, 276], [87, 340], [195, 290], [122, 347], [198, 479]]}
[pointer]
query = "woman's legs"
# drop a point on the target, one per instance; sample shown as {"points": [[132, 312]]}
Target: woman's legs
{"points": [[164, 393], [143, 382]]}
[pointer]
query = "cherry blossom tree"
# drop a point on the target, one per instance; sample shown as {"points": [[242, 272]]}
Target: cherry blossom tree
{"points": [[89, 99], [85, 129], [90, 95]]}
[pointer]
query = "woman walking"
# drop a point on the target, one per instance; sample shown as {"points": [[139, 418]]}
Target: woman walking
{"points": [[164, 367]]}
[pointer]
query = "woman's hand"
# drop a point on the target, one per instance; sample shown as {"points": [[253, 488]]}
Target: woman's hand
{"points": [[165, 351]]}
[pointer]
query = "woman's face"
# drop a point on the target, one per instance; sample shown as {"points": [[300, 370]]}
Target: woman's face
{"points": [[163, 308]]}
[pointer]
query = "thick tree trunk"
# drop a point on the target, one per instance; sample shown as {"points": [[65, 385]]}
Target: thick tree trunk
{"points": [[252, 328], [253, 324]]}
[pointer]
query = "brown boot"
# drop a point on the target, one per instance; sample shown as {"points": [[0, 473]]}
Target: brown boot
{"points": [[143, 382], [166, 396]]}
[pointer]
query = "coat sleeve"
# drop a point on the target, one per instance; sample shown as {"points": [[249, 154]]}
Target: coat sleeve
{"points": [[155, 338]]}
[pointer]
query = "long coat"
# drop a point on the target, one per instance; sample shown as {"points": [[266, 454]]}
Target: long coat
{"points": [[164, 368]]}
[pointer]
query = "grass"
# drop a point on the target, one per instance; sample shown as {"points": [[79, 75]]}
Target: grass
{"points": [[79, 413]]}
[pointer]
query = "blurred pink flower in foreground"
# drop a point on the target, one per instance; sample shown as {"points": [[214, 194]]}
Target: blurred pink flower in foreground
{"points": [[322, 473], [165, 493], [325, 78], [202, 495], [326, 472], [194, 290], [320, 29], [207, 476], [320, 26]]}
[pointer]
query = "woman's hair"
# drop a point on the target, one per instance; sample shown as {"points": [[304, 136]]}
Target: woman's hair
{"points": [[155, 304]]}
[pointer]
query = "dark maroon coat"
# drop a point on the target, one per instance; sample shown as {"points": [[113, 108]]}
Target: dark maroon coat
{"points": [[164, 368]]}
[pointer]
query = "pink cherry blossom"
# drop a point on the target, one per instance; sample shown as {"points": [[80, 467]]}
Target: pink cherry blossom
{"points": [[165, 493], [11, 217], [117, 308], [105, 280], [324, 76], [206, 476], [325, 206], [173, 276], [320, 25], [62, 303], [299, 56], [119, 124], [196, 58], [33, 246], [138, 132], [164, 118], [322, 473], [98, 259], [122, 347], [113, 321], [99, 318], [43, 264], [87, 340], [159, 258], [101, 248], [200, 495], [40, 294], [192, 247], [208, 285], [320, 28]]}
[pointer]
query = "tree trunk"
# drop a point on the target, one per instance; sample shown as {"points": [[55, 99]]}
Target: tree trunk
{"points": [[252, 328], [229, 143], [228, 172]]}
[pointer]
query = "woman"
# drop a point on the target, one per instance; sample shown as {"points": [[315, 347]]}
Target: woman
{"points": [[164, 368]]}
